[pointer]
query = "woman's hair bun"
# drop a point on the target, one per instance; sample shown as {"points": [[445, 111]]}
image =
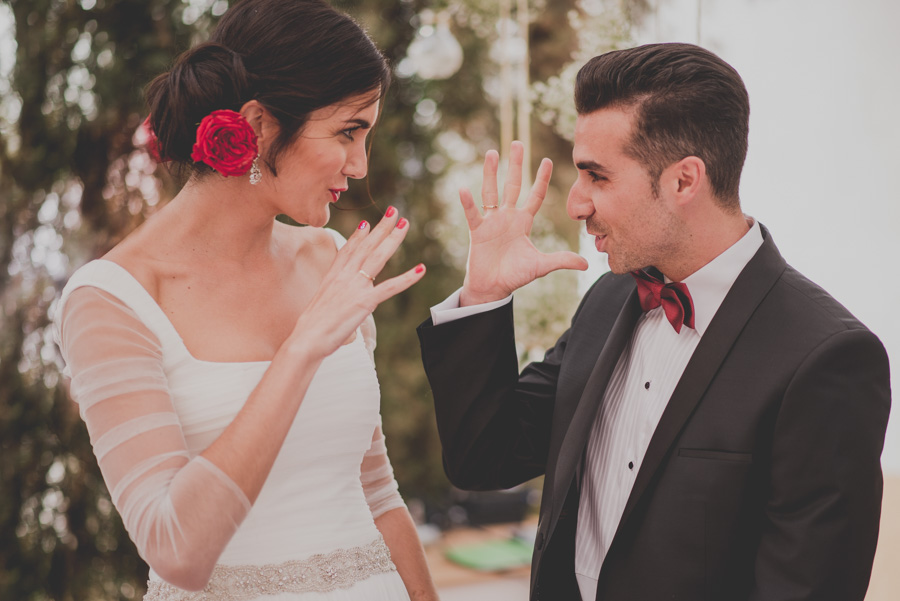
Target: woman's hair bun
{"points": [[206, 78]]}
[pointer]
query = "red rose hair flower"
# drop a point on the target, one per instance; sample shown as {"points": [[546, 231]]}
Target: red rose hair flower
{"points": [[147, 138], [226, 142]]}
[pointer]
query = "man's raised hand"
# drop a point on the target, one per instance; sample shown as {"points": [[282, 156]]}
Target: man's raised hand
{"points": [[501, 256]]}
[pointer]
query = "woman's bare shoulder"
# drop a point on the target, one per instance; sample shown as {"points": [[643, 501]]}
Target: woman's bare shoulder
{"points": [[313, 245], [147, 256]]}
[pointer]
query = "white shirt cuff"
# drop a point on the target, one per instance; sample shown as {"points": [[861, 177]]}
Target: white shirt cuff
{"points": [[449, 310]]}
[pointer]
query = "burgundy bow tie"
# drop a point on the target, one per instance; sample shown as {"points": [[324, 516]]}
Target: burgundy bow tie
{"points": [[674, 298]]}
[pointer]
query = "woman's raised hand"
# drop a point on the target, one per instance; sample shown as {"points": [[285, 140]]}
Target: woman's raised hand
{"points": [[348, 293], [501, 256]]}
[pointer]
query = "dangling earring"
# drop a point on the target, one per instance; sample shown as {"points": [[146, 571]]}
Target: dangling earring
{"points": [[255, 173]]}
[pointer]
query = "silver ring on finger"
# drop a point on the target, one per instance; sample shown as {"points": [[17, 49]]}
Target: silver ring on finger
{"points": [[366, 275], [490, 207]]}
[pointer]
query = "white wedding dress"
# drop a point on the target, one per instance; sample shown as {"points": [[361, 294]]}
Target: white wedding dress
{"points": [[151, 408]]}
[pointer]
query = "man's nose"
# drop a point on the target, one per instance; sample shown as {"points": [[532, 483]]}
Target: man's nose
{"points": [[578, 204]]}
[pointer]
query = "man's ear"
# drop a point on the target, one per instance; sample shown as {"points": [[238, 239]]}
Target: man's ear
{"points": [[684, 179]]}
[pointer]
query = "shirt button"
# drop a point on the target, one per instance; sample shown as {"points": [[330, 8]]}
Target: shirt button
{"points": [[647, 385], [631, 465]]}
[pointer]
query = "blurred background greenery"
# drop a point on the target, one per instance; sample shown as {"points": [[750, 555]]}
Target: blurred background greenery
{"points": [[74, 181]]}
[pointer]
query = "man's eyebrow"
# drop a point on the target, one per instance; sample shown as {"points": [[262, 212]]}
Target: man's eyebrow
{"points": [[591, 166]]}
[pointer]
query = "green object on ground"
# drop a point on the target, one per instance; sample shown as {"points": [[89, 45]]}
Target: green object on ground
{"points": [[493, 555]]}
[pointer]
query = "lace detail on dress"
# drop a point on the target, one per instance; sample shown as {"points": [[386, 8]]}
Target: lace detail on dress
{"points": [[320, 573]]}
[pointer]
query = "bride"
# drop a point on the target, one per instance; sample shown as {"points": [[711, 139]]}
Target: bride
{"points": [[222, 360]]}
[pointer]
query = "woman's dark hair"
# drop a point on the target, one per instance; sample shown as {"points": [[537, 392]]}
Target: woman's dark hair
{"points": [[292, 56], [687, 101]]}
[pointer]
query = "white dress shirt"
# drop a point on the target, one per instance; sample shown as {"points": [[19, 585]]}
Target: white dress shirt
{"points": [[638, 392]]}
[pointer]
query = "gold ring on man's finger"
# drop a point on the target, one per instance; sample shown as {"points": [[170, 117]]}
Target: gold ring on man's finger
{"points": [[490, 207], [366, 275]]}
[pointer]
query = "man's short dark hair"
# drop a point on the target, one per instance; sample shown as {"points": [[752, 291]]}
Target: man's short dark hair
{"points": [[687, 101]]}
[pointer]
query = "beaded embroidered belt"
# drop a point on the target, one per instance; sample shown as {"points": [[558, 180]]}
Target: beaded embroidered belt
{"points": [[319, 573]]}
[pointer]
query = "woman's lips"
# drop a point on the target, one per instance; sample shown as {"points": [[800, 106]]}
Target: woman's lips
{"points": [[336, 193]]}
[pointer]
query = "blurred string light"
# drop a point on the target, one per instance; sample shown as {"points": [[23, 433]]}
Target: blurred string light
{"points": [[10, 102], [194, 9], [434, 53], [511, 52], [599, 26]]}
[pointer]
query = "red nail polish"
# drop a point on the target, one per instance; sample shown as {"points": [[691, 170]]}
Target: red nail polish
{"points": [[420, 268], [402, 223], [390, 212], [363, 224]]}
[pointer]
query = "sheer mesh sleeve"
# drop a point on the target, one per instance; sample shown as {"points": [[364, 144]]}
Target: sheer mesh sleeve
{"points": [[377, 477], [376, 473], [180, 512]]}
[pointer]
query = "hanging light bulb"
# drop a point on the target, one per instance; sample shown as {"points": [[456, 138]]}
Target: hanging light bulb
{"points": [[434, 53]]}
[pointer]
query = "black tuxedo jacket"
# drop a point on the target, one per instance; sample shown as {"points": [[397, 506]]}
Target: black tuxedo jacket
{"points": [[762, 480]]}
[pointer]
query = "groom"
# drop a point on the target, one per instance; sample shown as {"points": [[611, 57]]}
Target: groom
{"points": [[711, 425]]}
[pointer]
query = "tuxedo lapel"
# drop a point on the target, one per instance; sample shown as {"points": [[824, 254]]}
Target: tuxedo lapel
{"points": [[579, 426], [748, 291]]}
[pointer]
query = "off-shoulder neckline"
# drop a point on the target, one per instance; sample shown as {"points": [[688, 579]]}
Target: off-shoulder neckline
{"points": [[163, 318]]}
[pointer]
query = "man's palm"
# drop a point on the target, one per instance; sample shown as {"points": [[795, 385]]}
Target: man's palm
{"points": [[501, 255]]}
